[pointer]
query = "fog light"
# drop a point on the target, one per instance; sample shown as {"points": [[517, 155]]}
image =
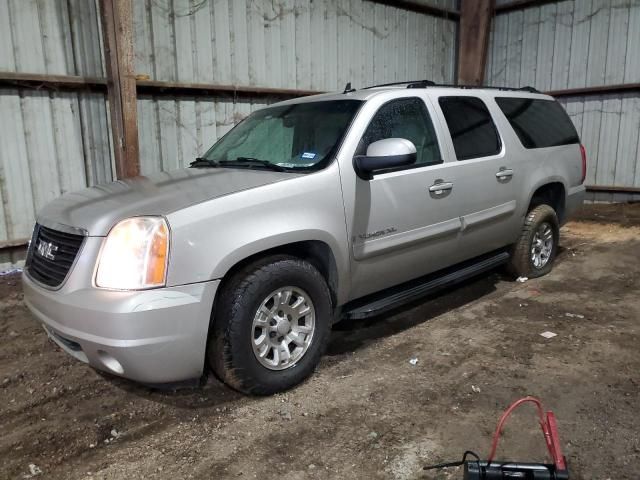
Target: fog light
{"points": [[110, 362]]}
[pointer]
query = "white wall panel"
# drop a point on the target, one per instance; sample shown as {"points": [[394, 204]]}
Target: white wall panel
{"points": [[50, 143], [303, 44], [318, 45], [609, 126], [173, 132], [574, 44], [60, 37], [580, 43], [580, 31]]}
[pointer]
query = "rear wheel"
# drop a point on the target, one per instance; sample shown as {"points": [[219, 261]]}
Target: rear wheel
{"points": [[535, 251], [271, 326]]}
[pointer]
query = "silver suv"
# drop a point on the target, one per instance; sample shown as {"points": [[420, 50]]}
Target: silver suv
{"points": [[309, 211]]}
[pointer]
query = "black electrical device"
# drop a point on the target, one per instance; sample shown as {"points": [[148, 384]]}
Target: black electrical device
{"points": [[493, 470], [512, 471]]}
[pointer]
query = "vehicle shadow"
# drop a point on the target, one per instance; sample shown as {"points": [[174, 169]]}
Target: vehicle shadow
{"points": [[203, 393], [350, 335]]}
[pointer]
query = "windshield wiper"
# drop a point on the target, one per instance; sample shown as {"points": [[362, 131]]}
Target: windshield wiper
{"points": [[250, 161], [203, 162]]}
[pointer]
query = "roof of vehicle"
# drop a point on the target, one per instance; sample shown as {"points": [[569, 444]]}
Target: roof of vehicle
{"points": [[369, 92]]}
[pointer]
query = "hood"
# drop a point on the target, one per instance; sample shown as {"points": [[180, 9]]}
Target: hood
{"points": [[96, 209]]}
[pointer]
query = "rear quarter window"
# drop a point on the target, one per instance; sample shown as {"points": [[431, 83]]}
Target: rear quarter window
{"points": [[538, 123]]}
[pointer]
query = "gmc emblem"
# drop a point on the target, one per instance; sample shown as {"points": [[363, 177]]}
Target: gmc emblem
{"points": [[47, 249]]}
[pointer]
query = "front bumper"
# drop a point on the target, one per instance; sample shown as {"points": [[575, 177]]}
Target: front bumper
{"points": [[151, 336]]}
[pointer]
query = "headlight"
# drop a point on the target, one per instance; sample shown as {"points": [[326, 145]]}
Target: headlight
{"points": [[134, 255]]}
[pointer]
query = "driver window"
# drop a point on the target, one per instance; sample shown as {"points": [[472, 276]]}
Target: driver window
{"points": [[404, 118]]}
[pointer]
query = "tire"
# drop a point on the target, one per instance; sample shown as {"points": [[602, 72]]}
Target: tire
{"points": [[521, 263], [241, 332]]}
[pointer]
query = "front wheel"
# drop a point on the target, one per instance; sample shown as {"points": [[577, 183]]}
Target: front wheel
{"points": [[535, 251], [271, 326]]}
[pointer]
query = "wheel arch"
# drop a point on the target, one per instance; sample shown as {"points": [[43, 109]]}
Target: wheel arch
{"points": [[317, 252], [552, 192]]}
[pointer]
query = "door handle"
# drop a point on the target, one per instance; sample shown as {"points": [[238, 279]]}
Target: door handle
{"points": [[504, 173], [440, 188]]}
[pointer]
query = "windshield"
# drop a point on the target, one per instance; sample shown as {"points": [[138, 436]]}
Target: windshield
{"points": [[298, 136]]}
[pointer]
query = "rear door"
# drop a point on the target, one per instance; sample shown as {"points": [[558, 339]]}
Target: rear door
{"points": [[486, 174]]}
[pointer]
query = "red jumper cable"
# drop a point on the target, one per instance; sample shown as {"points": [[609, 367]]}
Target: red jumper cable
{"points": [[549, 430], [490, 469]]}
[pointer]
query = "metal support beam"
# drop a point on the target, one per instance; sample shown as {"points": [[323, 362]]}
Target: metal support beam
{"points": [[521, 5], [597, 90], [613, 189], [47, 82], [421, 7], [155, 87], [13, 244], [473, 43], [39, 81], [117, 32]]}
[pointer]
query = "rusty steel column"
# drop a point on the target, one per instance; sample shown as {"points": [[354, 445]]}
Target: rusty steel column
{"points": [[117, 33], [475, 25]]}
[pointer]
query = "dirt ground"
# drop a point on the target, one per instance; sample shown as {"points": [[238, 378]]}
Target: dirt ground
{"points": [[367, 412]]}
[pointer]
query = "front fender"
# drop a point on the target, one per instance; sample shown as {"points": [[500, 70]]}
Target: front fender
{"points": [[208, 239], [262, 244]]}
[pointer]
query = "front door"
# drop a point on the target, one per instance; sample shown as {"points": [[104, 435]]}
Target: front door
{"points": [[406, 221]]}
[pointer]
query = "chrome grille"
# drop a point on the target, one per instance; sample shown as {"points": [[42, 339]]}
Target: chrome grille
{"points": [[51, 255]]}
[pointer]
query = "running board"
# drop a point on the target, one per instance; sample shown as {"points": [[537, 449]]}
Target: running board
{"points": [[398, 296]]}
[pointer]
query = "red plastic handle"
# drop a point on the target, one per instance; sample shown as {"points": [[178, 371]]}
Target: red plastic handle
{"points": [[549, 430], [553, 444]]}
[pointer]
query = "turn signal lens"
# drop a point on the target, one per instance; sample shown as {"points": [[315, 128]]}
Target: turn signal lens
{"points": [[134, 255]]}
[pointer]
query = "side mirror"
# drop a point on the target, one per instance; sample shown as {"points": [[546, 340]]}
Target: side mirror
{"points": [[384, 154]]}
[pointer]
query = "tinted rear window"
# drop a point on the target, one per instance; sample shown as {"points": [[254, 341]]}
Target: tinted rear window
{"points": [[538, 123], [472, 129]]}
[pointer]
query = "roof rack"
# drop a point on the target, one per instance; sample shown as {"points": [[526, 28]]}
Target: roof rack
{"points": [[490, 87], [408, 83], [529, 89], [430, 83]]}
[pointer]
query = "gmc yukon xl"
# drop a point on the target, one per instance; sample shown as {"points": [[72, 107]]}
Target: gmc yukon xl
{"points": [[312, 210]]}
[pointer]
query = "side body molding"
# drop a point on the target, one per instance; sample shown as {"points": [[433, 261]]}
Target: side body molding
{"points": [[379, 246], [488, 215], [396, 241]]}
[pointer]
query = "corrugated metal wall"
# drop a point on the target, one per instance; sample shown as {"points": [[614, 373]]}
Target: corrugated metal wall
{"points": [[173, 132], [303, 44], [52, 142], [609, 126], [573, 44], [299, 44], [60, 37]]}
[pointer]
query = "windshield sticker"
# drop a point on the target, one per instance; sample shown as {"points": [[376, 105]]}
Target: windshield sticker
{"points": [[309, 155]]}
